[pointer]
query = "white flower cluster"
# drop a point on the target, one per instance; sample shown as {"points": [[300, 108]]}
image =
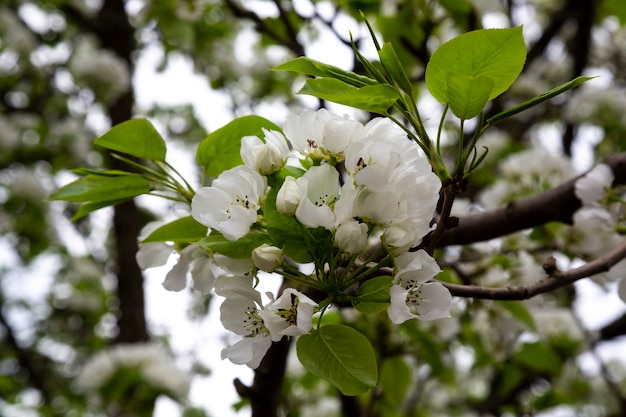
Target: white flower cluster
{"points": [[596, 222], [526, 173], [359, 185], [154, 366]]}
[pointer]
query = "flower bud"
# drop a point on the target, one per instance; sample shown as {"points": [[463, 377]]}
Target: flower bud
{"points": [[265, 157], [267, 258], [400, 236], [351, 236], [289, 196]]}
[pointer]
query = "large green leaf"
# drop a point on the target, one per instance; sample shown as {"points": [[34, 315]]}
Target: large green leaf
{"points": [[373, 295], [467, 95], [99, 188], [395, 379], [340, 355], [498, 54], [539, 357], [185, 229], [308, 66], [136, 137], [219, 151], [374, 98]]}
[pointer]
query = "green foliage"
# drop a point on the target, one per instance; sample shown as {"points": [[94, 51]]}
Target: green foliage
{"points": [[238, 249], [308, 66], [373, 98], [219, 151], [373, 295], [136, 137], [468, 94], [518, 310], [498, 54], [342, 356], [183, 230]]}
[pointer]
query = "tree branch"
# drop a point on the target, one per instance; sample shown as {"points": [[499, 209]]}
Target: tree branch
{"points": [[556, 279], [558, 204]]}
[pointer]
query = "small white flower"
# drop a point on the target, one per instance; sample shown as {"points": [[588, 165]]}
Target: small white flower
{"points": [[289, 315], [322, 134], [351, 236], [593, 186], [411, 295], [320, 189], [248, 351], [230, 205], [240, 313], [265, 157], [267, 258]]}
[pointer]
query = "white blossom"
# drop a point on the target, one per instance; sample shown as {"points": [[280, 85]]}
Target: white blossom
{"points": [[230, 205], [154, 365], [322, 134], [239, 313], [593, 186], [412, 295], [320, 189], [288, 315], [265, 157]]}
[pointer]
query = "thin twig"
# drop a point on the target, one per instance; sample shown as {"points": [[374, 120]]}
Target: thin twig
{"points": [[556, 279]]}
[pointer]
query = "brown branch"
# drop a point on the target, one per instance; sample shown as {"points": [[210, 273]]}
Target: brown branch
{"points": [[558, 204], [262, 27], [556, 279]]}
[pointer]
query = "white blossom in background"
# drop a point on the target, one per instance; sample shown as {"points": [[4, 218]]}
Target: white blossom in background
{"points": [[597, 106], [592, 188], [527, 173], [153, 364], [99, 69], [412, 295], [231, 203]]}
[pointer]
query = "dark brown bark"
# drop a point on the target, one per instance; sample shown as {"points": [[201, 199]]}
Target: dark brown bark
{"points": [[116, 33], [558, 204]]}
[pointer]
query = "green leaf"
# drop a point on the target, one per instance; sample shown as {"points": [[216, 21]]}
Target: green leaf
{"points": [[539, 357], [395, 378], [467, 95], [136, 137], [239, 249], [519, 311], [86, 208], [185, 229], [340, 355], [374, 98], [373, 295], [308, 66], [395, 69], [498, 54], [219, 151], [538, 99], [97, 188]]}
